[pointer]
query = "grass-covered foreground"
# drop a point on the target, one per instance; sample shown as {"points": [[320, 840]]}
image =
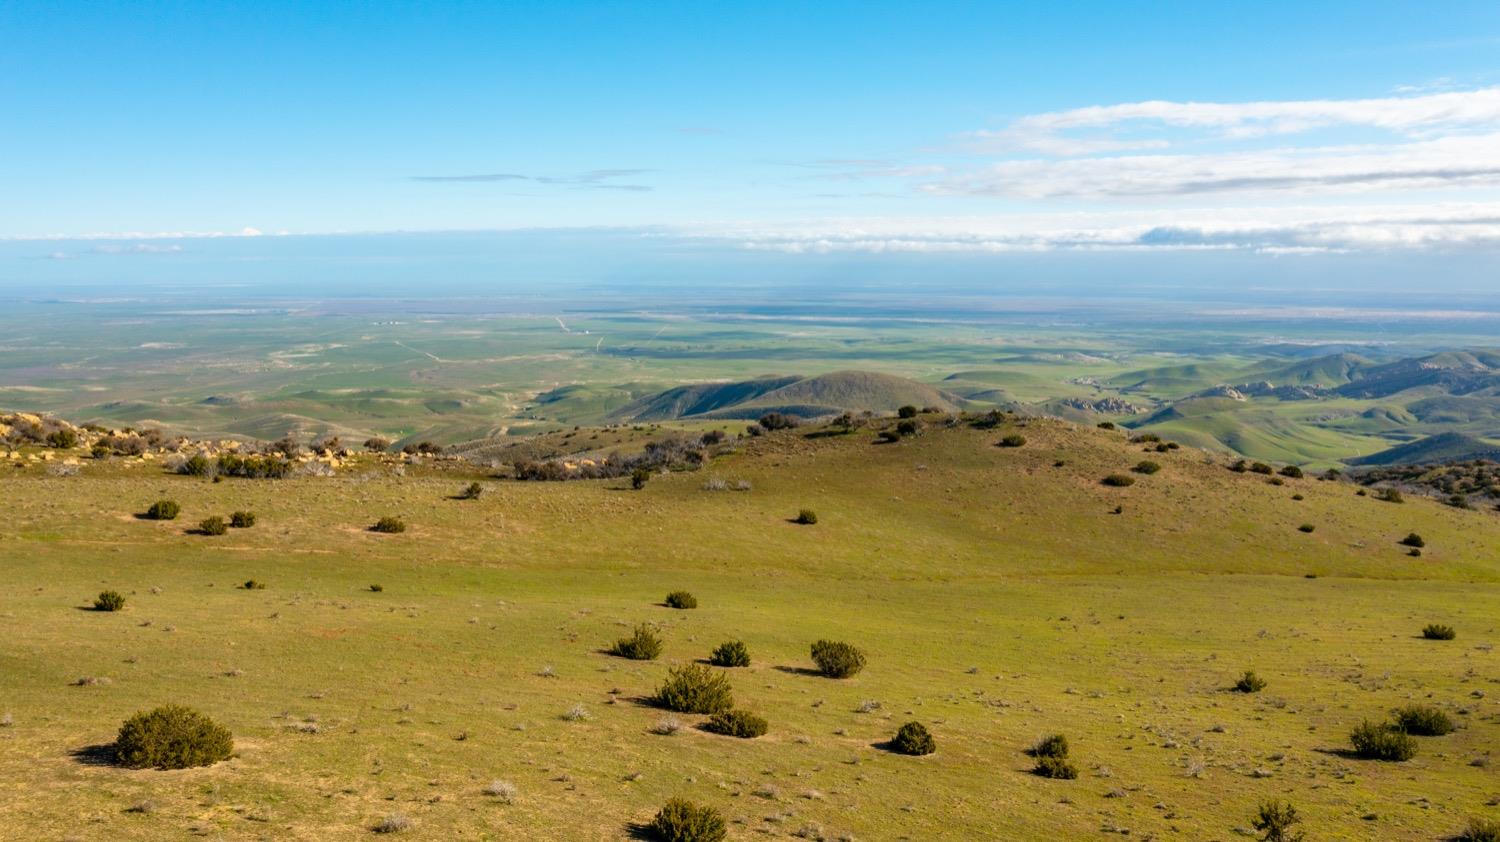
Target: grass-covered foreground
{"points": [[997, 595]]}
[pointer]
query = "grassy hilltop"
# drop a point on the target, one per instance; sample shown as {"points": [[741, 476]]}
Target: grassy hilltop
{"points": [[997, 592]]}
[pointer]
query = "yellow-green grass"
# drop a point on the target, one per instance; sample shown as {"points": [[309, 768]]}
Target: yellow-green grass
{"points": [[998, 597]]}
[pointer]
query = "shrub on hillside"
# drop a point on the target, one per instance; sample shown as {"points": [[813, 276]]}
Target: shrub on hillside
{"points": [[1240, 467], [731, 653], [109, 601], [1379, 741], [694, 688], [254, 585], [1106, 425], [1146, 466], [1249, 683], [642, 645], [777, 421], [909, 427], [1276, 819], [172, 737], [1013, 440], [1306, 527], [890, 436], [1145, 438], [737, 723], [389, 525], [1412, 539], [376, 444], [1422, 721], [1059, 768], [1292, 472], [913, 738], [471, 491], [62, 439], [807, 517], [1438, 631], [1118, 481], [1054, 745], [681, 599], [242, 520], [639, 477], [1480, 830], [683, 821], [1261, 468], [213, 525], [836, 659], [1389, 495], [907, 412], [163, 510]]}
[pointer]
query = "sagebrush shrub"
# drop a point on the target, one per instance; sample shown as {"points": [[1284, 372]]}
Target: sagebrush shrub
{"points": [[1055, 745], [1146, 466], [908, 427], [836, 659], [172, 737], [907, 412], [109, 601], [1261, 468], [389, 525], [642, 645], [681, 599], [1379, 741], [163, 510], [731, 653], [254, 585], [1118, 480], [680, 820], [1306, 527], [737, 723], [1412, 539], [694, 688], [1389, 495], [913, 738], [214, 525], [1292, 472], [242, 520], [1055, 767], [471, 492], [1438, 631], [1013, 440], [1250, 683], [1422, 720], [1480, 830], [1275, 819], [807, 517]]}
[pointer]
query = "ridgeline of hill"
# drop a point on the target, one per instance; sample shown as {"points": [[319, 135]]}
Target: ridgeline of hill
{"points": [[803, 397]]}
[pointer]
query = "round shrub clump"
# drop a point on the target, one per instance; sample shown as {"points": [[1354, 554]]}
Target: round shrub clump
{"points": [[1250, 683], [680, 820], [163, 510], [731, 653], [1118, 480], [1422, 721], [1013, 440], [836, 659], [172, 737], [913, 738], [1374, 741], [807, 517], [1055, 745], [1480, 830], [643, 645], [1306, 527], [109, 601], [681, 599], [389, 525], [1438, 631], [213, 526], [1412, 539], [694, 688], [1058, 768], [242, 520], [737, 723], [1146, 466]]}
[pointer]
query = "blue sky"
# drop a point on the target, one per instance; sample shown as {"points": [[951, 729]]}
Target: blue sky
{"points": [[870, 127]]}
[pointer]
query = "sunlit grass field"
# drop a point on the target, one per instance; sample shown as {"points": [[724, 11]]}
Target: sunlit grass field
{"points": [[997, 594]]}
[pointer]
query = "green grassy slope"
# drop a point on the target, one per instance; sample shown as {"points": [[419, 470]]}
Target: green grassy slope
{"points": [[997, 594]]}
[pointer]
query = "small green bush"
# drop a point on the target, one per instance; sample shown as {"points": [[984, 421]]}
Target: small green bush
{"points": [[907, 412], [389, 525], [1275, 819], [737, 723], [109, 601], [471, 492], [1118, 481], [1412, 539], [1013, 440], [732, 653], [909, 427], [681, 599], [1058, 768], [63, 439], [163, 510], [1292, 472], [694, 688], [1306, 527], [242, 520], [1105, 425], [377, 588], [1480, 830], [639, 477], [1438, 631], [1055, 745], [1379, 741], [890, 436], [1250, 683], [913, 738], [1146, 466], [1389, 495], [1422, 721], [1261, 468], [172, 737], [807, 517], [836, 659], [214, 525], [254, 585], [643, 645], [683, 821]]}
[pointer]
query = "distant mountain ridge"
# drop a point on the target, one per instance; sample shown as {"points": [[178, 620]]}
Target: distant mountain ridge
{"points": [[1433, 450]]}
